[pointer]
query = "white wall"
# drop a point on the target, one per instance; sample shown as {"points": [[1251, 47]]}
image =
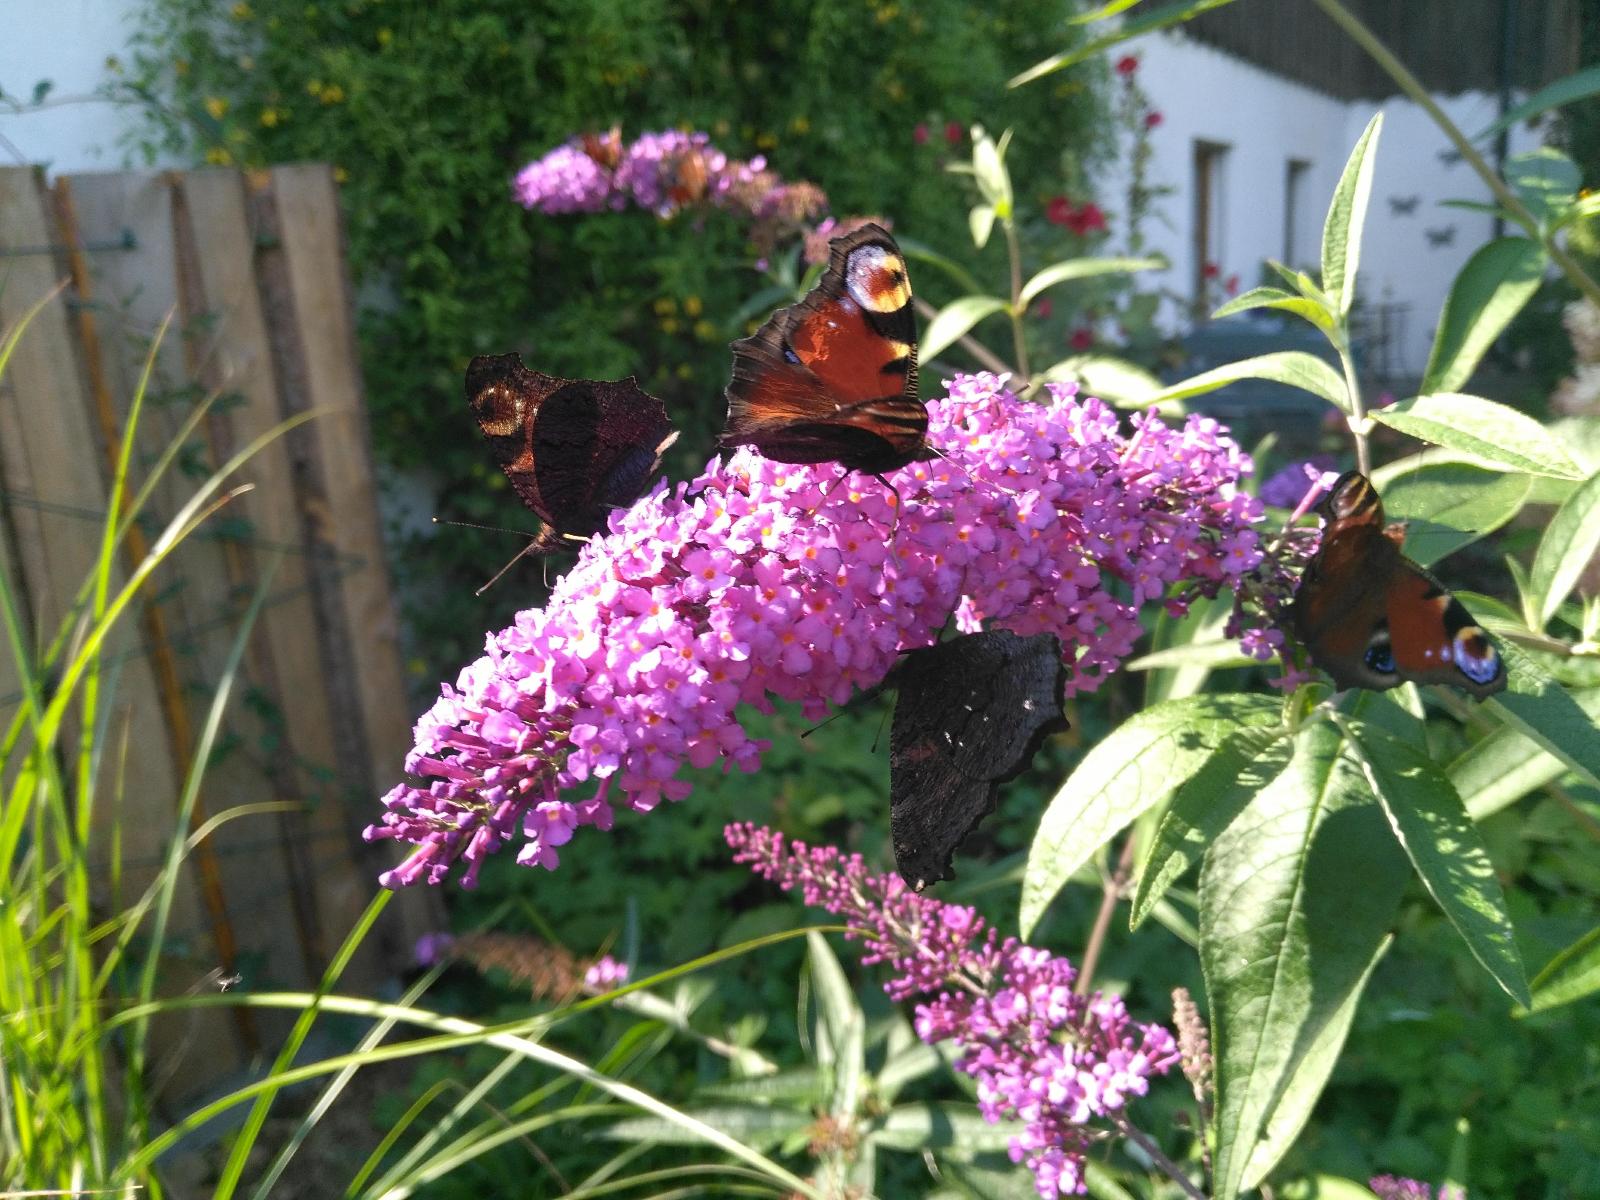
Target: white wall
{"points": [[1266, 120], [66, 42]]}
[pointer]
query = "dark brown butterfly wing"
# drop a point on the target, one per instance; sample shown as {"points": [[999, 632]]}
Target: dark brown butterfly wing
{"points": [[970, 715], [572, 448], [1372, 618], [833, 378]]}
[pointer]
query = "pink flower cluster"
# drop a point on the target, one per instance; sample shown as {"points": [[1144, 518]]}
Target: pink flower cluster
{"points": [[1392, 1187], [761, 580], [1041, 1055], [661, 172]]}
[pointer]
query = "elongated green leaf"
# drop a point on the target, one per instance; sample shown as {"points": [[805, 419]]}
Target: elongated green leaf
{"points": [[1296, 896], [1307, 1077], [1085, 268], [1447, 504], [843, 1046], [1347, 217], [915, 1127], [1505, 766], [1546, 180], [922, 252], [1293, 367], [1109, 9], [1570, 975], [1158, 18], [1580, 85], [1432, 824], [1214, 654], [1130, 770], [980, 220], [1491, 289], [953, 320], [1541, 709], [1568, 546], [1116, 380], [1206, 804], [755, 1125], [1270, 297], [1493, 433]]}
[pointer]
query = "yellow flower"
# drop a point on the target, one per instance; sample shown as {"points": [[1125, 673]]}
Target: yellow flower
{"points": [[692, 306], [705, 331], [270, 117], [385, 36], [314, 87], [332, 94], [767, 141], [217, 107], [722, 127], [685, 371], [800, 124], [665, 306], [340, 175], [669, 325], [218, 156], [242, 11]]}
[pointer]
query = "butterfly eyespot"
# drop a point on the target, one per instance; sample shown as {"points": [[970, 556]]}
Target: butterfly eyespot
{"points": [[1380, 658]]}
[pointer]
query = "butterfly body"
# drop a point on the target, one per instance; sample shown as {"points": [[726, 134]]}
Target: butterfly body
{"points": [[970, 715], [833, 378], [1372, 618], [573, 449]]}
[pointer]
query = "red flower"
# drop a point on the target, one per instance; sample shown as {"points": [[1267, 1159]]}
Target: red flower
{"points": [[1082, 338], [1232, 285], [953, 132], [1058, 211], [1211, 270], [1152, 119], [1043, 308], [1127, 65], [919, 135], [1089, 219]]}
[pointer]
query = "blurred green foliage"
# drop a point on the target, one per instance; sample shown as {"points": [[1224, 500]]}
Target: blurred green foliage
{"points": [[427, 112]]}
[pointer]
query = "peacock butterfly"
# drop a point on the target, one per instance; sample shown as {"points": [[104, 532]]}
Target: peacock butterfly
{"points": [[572, 448], [970, 715], [604, 148], [833, 378], [1372, 618]]}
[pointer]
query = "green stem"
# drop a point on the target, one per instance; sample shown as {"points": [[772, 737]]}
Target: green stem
{"points": [[1409, 84], [1019, 340], [1358, 414]]}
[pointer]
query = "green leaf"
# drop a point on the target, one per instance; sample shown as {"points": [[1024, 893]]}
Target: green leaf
{"points": [[1084, 268], [1296, 896], [1293, 367], [1270, 297], [1567, 547], [989, 170], [1307, 1077], [980, 219], [1213, 654], [953, 320], [755, 1125], [1112, 379], [1159, 18], [1546, 179], [1432, 824], [1498, 770], [922, 252], [1447, 504], [1110, 9], [1133, 768], [1490, 432], [1491, 289], [1580, 85], [1347, 216], [1540, 708], [1570, 975], [843, 1044], [1204, 805]]}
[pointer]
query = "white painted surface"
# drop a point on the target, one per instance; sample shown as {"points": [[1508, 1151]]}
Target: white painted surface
{"points": [[66, 42], [1266, 120]]}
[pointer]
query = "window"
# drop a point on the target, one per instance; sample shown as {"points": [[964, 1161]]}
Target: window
{"points": [[1210, 158], [1294, 195]]}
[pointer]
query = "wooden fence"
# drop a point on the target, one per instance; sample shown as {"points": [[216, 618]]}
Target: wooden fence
{"points": [[319, 722]]}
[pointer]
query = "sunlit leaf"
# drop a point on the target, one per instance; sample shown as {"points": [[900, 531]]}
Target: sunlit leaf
{"points": [[1498, 280], [1569, 545], [1276, 298], [1541, 709], [952, 321], [1501, 768], [1491, 432], [1293, 367], [1347, 217], [1580, 85], [1156, 18], [1084, 268], [1570, 975], [1446, 504]]}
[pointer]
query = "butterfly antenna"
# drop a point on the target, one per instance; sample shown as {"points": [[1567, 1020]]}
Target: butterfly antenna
{"points": [[824, 722], [475, 525], [899, 503], [878, 737], [515, 558]]}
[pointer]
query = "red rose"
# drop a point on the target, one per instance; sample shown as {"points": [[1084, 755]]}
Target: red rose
{"points": [[1058, 211], [953, 132], [1127, 65], [1082, 338], [919, 135], [1091, 219], [1152, 119], [1043, 308], [1211, 270]]}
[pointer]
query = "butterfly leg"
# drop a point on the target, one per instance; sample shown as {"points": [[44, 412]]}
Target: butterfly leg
{"points": [[899, 503]]}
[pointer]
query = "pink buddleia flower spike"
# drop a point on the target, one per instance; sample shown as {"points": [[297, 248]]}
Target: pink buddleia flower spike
{"points": [[1059, 1063], [762, 581]]}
